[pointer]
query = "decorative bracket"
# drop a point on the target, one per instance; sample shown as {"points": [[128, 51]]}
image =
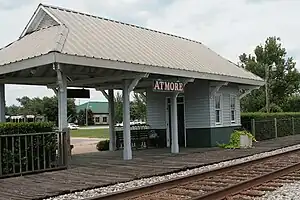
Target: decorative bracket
{"points": [[105, 94], [217, 88], [248, 89], [134, 83]]}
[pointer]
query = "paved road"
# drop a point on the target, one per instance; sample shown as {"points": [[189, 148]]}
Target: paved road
{"points": [[84, 145], [82, 140], [93, 127]]}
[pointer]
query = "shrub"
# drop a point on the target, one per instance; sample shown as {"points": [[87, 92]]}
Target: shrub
{"points": [[265, 124], [103, 145], [15, 157], [234, 141]]}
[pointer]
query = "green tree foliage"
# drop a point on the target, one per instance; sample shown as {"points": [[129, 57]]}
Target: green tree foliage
{"points": [[46, 106], [118, 108], [137, 107], [283, 82], [292, 104], [13, 110], [81, 117]]}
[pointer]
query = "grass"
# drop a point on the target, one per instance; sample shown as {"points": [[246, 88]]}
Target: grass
{"points": [[90, 133]]}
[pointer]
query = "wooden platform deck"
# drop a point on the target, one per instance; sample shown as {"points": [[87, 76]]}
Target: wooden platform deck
{"points": [[104, 168]]}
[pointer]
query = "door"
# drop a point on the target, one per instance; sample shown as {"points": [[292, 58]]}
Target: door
{"points": [[180, 121]]}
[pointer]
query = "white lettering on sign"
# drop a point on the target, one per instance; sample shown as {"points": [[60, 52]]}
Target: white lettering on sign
{"points": [[168, 86]]}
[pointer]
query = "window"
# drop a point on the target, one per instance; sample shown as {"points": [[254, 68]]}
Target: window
{"points": [[104, 119], [97, 119], [218, 110], [232, 108]]}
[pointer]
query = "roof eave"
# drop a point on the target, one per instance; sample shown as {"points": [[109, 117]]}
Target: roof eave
{"points": [[28, 63], [119, 65]]}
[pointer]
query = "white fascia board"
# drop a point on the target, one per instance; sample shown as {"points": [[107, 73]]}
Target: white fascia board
{"points": [[27, 63], [109, 64]]}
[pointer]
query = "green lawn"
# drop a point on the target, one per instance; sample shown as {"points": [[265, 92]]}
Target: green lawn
{"points": [[91, 133]]}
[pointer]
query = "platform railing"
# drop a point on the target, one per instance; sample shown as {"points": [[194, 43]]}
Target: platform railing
{"points": [[22, 154]]}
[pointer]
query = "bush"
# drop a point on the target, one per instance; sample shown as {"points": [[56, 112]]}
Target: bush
{"points": [[265, 124], [103, 145], [16, 158], [234, 141]]}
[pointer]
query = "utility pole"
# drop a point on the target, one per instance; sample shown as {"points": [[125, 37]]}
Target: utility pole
{"points": [[267, 73], [267, 89], [86, 113]]}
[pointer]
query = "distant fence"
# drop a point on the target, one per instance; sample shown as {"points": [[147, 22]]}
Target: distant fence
{"points": [[272, 128], [21, 154]]}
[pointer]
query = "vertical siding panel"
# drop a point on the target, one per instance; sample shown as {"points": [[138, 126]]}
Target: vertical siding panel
{"points": [[156, 110], [197, 113]]}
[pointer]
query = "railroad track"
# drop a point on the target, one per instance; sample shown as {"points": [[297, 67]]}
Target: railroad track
{"points": [[234, 182]]}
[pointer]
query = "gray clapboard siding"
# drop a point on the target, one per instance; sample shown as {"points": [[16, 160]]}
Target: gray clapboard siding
{"points": [[156, 110], [226, 91], [197, 112]]}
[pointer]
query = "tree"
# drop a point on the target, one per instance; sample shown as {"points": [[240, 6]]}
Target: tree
{"points": [[81, 117], [47, 106], [138, 107], [13, 110], [283, 82], [118, 108]]}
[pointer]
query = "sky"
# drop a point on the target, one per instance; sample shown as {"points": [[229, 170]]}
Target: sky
{"points": [[229, 27]]}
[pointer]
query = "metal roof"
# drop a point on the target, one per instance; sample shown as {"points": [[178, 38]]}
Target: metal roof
{"points": [[97, 107], [95, 37], [32, 45]]}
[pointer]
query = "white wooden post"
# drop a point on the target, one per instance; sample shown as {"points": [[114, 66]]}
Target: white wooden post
{"points": [[62, 99], [174, 145], [127, 152], [2, 103]]}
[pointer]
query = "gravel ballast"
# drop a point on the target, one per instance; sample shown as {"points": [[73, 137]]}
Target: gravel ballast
{"points": [[289, 191], [146, 181]]}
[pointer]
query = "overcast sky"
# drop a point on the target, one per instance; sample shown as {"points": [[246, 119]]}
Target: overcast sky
{"points": [[229, 27]]}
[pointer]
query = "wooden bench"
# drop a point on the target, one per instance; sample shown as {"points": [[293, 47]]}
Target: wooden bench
{"points": [[140, 137]]}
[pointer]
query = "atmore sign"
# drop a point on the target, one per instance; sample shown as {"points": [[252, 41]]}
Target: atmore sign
{"points": [[167, 86]]}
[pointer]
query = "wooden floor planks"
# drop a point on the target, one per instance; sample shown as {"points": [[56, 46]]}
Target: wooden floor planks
{"points": [[104, 168]]}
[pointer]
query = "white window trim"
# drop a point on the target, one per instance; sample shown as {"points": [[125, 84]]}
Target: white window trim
{"points": [[221, 109], [231, 96]]}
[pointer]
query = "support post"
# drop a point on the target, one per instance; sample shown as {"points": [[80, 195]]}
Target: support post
{"points": [[111, 122], [174, 145], [112, 134], [2, 103], [62, 99], [275, 124], [127, 152]]}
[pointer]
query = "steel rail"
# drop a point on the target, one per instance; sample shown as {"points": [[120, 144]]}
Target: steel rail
{"points": [[216, 195]]}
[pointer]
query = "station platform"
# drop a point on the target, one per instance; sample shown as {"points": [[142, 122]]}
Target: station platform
{"points": [[91, 170]]}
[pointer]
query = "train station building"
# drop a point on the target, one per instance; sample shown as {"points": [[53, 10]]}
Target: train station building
{"points": [[193, 94]]}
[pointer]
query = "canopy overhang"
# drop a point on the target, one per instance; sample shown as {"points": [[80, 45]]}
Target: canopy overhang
{"points": [[93, 72]]}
